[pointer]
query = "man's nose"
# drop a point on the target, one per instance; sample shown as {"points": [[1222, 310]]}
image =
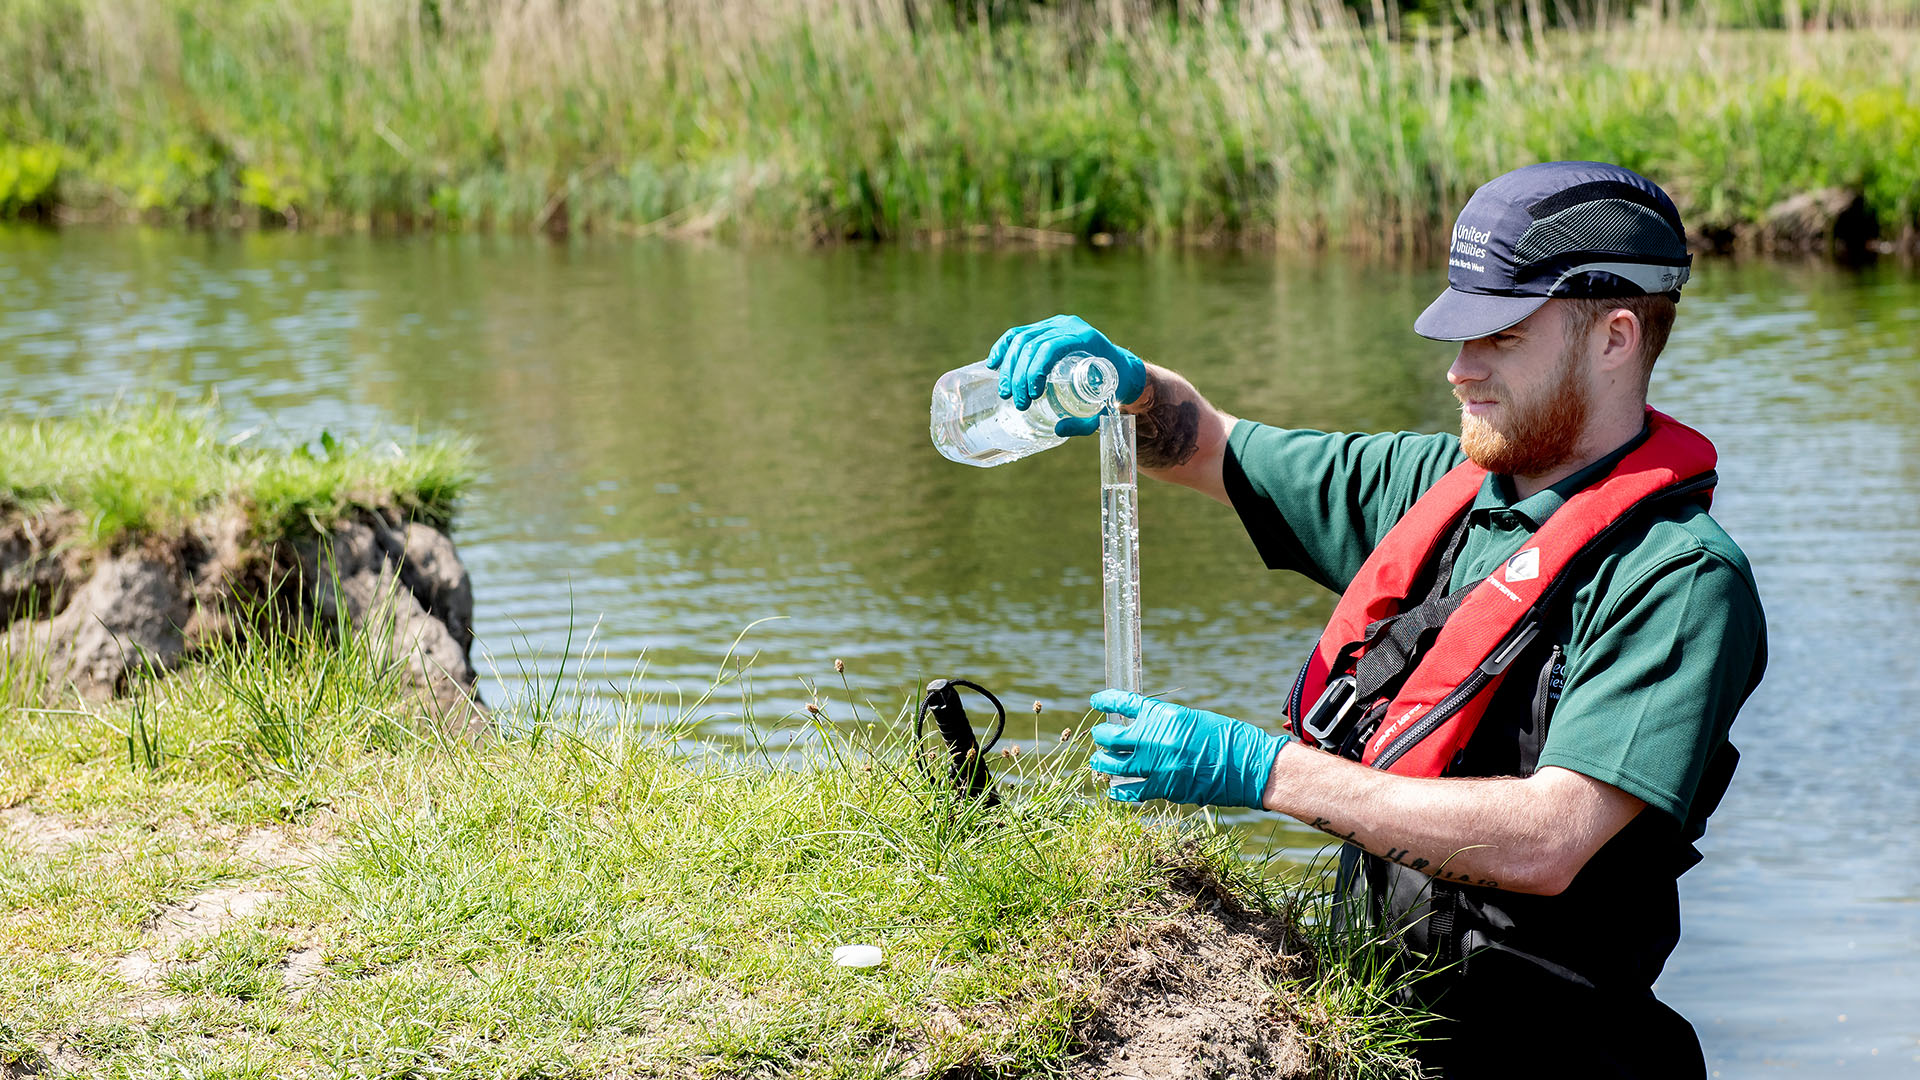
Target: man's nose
{"points": [[1467, 365]]}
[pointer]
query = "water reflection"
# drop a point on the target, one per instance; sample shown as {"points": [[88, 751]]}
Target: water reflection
{"points": [[679, 440]]}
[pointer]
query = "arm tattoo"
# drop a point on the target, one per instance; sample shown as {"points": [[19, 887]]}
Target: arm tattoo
{"points": [[1403, 857], [1169, 429]]}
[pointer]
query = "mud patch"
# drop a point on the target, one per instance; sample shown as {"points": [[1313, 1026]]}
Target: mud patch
{"points": [[201, 915], [1188, 993], [205, 914], [39, 834], [301, 969], [295, 854], [273, 848]]}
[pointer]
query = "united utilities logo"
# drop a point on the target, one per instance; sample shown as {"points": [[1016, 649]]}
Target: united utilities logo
{"points": [[1469, 247], [1525, 566], [1463, 232]]}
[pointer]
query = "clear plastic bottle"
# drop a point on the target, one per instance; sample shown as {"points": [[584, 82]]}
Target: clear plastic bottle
{"points": [[974, 425]]}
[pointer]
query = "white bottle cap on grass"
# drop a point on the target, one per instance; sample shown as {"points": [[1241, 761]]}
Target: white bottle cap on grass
{"points": [[856, 956]]}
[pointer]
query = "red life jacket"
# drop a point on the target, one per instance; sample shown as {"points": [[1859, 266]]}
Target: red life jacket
{"points": [[1428, 720]]}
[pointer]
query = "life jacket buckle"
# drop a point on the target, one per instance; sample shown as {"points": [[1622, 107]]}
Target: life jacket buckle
{"points": [[1331, 712]]}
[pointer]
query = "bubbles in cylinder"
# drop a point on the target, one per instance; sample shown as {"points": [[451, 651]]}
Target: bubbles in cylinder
{"points": [[1120, 555]]}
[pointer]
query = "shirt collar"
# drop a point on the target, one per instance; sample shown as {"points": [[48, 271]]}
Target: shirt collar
{"points": [[1496, 505]]}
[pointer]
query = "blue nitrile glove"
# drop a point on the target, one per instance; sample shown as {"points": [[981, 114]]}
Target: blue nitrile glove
{"points": [[1025, 354], [1184, 755]]}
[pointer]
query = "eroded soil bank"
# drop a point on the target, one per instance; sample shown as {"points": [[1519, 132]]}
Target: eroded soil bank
{"points": [[91, 620]]}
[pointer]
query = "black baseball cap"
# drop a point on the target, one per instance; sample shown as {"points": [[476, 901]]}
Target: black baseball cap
{"points": [[1560, 228]]}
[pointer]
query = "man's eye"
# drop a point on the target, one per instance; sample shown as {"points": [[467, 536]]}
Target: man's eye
{"points": [[1503, 339]]}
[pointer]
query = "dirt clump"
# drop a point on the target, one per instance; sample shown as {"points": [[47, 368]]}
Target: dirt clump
{"points": [[403, 584], [206, 913], [1188, 992], [284, 860], [1832, 221], [40, 565], [39, 834], [302, 968], [131, 614]]}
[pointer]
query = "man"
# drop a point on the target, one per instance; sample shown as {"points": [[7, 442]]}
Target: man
{"points": [[1517, 720]]}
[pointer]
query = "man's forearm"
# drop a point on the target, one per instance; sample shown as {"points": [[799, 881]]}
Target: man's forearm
{"points": [[1525, 835], [1182, 437]]}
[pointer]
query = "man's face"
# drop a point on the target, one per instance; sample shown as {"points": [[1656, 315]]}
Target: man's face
{"points": [[1524, 395]]}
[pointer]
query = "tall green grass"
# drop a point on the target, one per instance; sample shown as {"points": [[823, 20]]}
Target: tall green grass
{"points": [[147, 469], [1287, 120]]}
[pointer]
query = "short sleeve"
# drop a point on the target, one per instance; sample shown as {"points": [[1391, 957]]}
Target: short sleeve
{"points": [[1318, 503], [1652, 690]]}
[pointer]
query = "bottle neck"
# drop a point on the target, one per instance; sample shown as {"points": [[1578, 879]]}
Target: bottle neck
{"points": [[1082, 385]]}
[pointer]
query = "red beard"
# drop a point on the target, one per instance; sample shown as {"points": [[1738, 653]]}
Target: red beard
{"points": [[1533, 437]]}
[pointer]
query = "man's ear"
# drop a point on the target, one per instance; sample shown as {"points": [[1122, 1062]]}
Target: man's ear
{"points": [[1620, 351]]}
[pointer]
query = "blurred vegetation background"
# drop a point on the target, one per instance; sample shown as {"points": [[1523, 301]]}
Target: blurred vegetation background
{"points": [[1356, 123]]}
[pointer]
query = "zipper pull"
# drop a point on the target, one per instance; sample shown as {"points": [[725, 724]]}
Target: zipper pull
{"points": [[1502, 656]]}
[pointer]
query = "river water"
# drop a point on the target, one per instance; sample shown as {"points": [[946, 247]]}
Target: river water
{"points": [[679, 440]]}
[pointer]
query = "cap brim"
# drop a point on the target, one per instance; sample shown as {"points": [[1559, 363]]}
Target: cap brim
{"points": [[1463, 316]]}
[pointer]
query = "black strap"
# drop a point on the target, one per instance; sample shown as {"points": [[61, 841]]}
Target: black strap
{"points": [[1395, 644]]}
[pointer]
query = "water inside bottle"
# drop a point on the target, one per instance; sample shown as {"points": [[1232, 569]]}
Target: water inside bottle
{"points": [[973, 425]]}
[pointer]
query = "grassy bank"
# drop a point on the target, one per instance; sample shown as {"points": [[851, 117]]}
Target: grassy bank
{"points": [[134, 470], [183, 894], [1283, 121]]}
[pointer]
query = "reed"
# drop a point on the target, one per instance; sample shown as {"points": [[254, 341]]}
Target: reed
{"points": [[1278, 120]]}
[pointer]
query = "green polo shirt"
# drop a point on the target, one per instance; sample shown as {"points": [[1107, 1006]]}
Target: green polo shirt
{"points": [[1663, 640]]}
